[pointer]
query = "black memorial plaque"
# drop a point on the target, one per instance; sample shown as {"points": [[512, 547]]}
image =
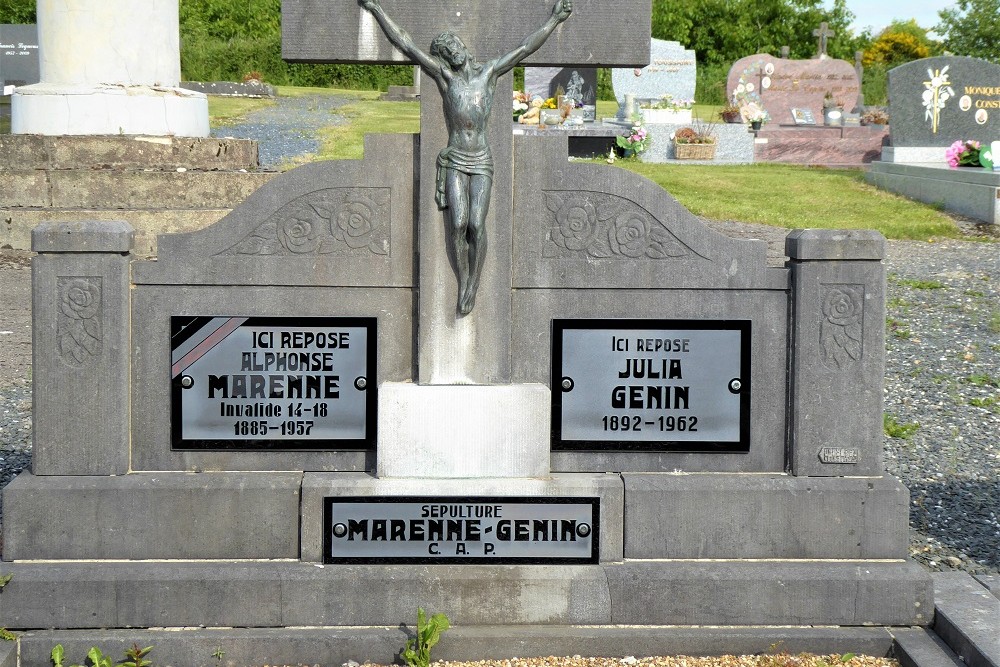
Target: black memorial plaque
{"points": [[459, 530], [651, 385], [273, 383], [18, 54]]}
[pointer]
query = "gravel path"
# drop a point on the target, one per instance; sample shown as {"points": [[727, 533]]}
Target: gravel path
{"points": [[942, 386]]}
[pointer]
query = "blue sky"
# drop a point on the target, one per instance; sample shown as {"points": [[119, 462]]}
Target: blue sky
{"points": [[879, 13]]}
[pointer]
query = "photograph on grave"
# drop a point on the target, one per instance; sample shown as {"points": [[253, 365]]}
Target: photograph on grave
{"points": [[651, 385], [273, 383], [501, 530], [937, 101]]}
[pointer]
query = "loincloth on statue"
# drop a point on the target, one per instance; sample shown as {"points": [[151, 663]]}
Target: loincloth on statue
{"points": [[478, 163]]}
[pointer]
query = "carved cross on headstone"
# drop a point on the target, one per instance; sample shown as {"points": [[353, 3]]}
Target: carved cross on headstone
{"points": [[823, 31], [474, 349]]}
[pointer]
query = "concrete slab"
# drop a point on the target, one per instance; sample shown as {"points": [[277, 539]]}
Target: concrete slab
{"points": [[331, 646], [8, 654], [967, 617], [992, 582], [764, 516], [920, 647], [152, 515], [970, 192]]}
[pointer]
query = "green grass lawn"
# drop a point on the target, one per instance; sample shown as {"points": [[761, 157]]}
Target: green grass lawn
{"points": [[786, 196]]}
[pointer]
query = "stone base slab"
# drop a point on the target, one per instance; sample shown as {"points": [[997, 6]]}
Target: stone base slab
{"points": [[152, 515], [332, 647], [32, 151], [914, 154], [53, 109], [968, 616], [820, 145], [764, 516], [608, 487], [974, 193], [449, 431], [283, 594]]}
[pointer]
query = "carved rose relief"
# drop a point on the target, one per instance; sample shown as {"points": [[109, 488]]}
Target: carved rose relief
{"points": [[78, 323], [333, 221], [596, 224], [842, 328]]}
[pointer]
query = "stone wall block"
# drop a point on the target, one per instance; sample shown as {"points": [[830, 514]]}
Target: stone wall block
{"points": [[838, 352], [80, 348]]}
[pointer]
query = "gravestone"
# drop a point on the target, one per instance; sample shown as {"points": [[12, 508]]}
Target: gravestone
{"points": [[662, 410], [780, 85], [18, 55], [934, 102], [672, 70], [579, 83]]}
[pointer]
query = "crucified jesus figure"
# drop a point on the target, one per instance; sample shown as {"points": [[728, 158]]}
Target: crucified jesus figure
{"points": [[465, 167]]}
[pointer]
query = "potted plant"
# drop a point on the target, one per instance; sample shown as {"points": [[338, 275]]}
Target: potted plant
{"points": [[730, 113], [666, 109], [636, 141], [694, 144], [756, 115], [875, 117]]}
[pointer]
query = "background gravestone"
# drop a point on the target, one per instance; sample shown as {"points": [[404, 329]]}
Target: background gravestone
{"points": [[18, 55], [671, 70], [780, 85], [967, 95], [544, 81]]}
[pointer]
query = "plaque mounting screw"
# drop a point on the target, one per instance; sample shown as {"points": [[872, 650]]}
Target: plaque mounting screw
{"points": [[361, 383], [339, 530], [187, 381], [583, 530], [566, 384], [735, 385]]}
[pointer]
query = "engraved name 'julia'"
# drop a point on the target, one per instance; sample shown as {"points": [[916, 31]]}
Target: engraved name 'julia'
{"points": [[652, 397]]}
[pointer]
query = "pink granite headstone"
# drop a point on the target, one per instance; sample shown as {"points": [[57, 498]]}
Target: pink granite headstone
{"points": [[780, 85]]}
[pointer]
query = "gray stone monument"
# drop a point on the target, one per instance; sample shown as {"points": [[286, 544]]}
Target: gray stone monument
{"points": [[672, 70], [640, 424]]}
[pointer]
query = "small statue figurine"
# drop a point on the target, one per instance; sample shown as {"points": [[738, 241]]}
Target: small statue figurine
{"points": [[465, 167]]}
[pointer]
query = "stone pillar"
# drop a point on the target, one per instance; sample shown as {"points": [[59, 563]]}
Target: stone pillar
{"points": [[108, 67], [838, 352], [81, 348]]}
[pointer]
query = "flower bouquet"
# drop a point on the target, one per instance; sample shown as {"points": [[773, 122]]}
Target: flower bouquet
{"points": [[636, 141], [963, 154]]}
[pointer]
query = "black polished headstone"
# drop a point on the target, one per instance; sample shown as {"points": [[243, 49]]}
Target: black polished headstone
{"points": [[18, 55], [937, 101], [545, 81]]}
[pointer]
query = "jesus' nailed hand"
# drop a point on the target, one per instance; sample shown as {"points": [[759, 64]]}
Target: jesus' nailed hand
{"points": [[465, 167]]}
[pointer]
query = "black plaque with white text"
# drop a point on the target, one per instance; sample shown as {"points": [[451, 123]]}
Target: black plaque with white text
{"points": [[273, 383], [493, 530], [651, 385]]}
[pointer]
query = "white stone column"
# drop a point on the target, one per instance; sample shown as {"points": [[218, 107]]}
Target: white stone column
{"points": [[108, 67]]}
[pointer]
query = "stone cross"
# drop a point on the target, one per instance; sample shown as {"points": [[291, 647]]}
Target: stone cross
{"points": [[823, 31], [474, 349], [860, 69]]}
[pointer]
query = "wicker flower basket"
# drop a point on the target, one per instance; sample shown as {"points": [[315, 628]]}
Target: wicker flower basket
{"points": [[694, 151]]}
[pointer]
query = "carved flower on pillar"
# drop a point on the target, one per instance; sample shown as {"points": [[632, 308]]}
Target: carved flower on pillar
{"points": [[78, 326], [842, 327]]}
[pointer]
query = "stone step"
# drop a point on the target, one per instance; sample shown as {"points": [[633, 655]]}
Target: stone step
{"points": [[140, 190], [967, 618], [920, 647], [332, 646], [23, 152], [16, 223], [256, 594]]}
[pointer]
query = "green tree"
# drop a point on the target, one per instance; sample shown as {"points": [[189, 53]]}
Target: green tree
{"points": [[900, 42], [971, 28], [17, 11]]}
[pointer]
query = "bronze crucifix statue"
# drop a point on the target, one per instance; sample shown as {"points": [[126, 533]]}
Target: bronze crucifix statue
{"points": [[465, 167]]}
